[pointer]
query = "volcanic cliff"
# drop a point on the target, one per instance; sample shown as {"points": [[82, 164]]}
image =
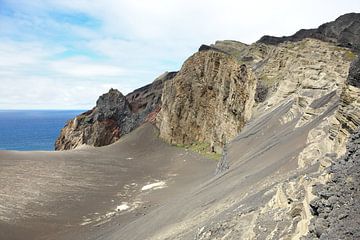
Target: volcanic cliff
{"points": [[209, 100], [280, 110], [113, 116]]}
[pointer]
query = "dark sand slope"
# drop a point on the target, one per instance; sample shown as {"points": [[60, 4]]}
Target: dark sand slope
{"points": [[75, 194], [229, 204]]}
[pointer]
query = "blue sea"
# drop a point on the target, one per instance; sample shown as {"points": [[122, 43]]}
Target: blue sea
{"points": [[32, 129]]}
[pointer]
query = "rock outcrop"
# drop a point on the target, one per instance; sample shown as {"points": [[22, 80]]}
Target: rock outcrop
{"points": [[100, 126], [209, 100], [295, 103], [336, 208], [344, 31], [348, 114], [113, 116]]}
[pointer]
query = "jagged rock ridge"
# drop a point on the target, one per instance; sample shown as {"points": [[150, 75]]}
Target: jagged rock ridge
{"points": [[303, 109], [113, 116], [344, 31]]}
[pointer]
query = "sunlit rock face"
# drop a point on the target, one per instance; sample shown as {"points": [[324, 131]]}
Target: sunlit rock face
{"points": [[209, 100], [348, 113], [284, 109]]}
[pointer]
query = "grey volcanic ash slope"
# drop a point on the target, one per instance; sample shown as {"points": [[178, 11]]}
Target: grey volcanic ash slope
{"points": [[282, 107]]}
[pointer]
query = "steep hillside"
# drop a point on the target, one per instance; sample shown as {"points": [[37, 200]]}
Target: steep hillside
{"points": [[209, 100], [280, 110], [336, 208], [348, 114]]}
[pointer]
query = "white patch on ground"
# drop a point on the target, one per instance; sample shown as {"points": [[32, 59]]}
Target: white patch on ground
{"points": [[157, 185], [129, 158], [86, 221], [101, 219], [172, 174], [110, 214], [124, 206]]}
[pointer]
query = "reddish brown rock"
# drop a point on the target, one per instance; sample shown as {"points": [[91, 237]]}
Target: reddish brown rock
{"points": [[113, 116]]}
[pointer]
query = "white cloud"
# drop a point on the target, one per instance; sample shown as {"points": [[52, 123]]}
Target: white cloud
{"points": [[134, 42], [64, 94], [83, 68], [15, 54]]}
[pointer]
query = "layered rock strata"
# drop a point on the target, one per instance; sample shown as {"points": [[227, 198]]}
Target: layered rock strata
{"points": [[348, 115], [209, 100]]}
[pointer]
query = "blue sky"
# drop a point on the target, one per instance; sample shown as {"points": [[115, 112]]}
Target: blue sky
{"points": [[64, 54]]}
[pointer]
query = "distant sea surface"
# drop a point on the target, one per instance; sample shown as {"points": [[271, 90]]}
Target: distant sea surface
{"points": [[32, 129]]}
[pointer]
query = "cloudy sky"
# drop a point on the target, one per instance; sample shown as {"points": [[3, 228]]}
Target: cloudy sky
{"points": [[62, 54]]}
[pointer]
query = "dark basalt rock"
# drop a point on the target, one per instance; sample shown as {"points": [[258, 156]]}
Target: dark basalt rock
{"points": [[354, 74], [111, 105], [344, 31], [336, 209], [261, 92], [113, 116], [103, 125], [204, 47]]}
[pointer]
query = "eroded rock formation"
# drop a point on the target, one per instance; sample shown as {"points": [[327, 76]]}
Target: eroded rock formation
{"points": [[348, 114], [113, 116], [100, 126], [344, 31], [209, 100], [336, 208], [300, 102]]}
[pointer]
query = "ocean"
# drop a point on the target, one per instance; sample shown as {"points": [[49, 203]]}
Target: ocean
{"points": [[26, 130]]}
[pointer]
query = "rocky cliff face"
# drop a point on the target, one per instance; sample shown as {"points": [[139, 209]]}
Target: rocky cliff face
{"points": [[113, 116], [300, 102], [348, 115], [209, 100], [100, 126], [344, 31]]}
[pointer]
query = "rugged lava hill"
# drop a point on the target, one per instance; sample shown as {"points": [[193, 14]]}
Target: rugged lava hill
{"points": [[113, 116], [284, 112], [222, 86]]}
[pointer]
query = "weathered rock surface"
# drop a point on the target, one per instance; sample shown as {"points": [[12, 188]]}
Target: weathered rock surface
{"points": [[209, 100], [113, 116], [348, 114], [310, 73], [100, 126], [336, 209], [298, 116], [344, 31]]}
